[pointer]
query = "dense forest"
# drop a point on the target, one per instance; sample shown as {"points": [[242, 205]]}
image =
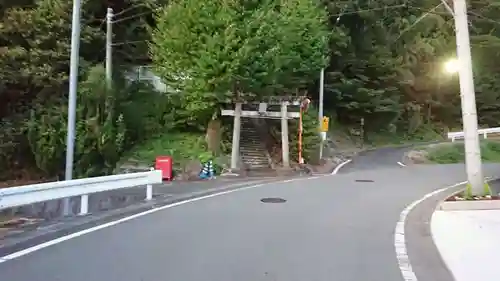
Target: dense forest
{"points": [[384, 64]]}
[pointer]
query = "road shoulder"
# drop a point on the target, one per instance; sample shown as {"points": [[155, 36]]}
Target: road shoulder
{"points": [[43, 232], [425, 259]]}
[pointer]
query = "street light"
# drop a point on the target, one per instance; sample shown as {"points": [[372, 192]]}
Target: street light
{"points": [[451, 66]]}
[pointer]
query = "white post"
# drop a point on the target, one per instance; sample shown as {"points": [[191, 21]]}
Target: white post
{"points": [[73, 84], [84, 204], [149, 192], [320, 110], [284, 136], [235, 151], [469, 115], [109, 46]]}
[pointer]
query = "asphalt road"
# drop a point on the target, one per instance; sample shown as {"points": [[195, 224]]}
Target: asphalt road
{"points": [[330, 228], [387, 157]]}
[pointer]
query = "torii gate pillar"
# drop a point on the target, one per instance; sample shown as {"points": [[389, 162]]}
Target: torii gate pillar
{"points": [[284, 136], [235, 151]]}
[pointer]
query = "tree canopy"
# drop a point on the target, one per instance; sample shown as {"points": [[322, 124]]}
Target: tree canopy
{"points": [[209, 50], [383, 63]]}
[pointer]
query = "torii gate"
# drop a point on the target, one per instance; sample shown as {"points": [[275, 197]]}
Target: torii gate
{"points": [[262, 112]]}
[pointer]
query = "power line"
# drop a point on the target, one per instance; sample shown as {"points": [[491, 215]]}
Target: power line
{"points": [[484, 18], [369, 10], [418, 20], [135, 16], [129, 42], [131, 8]]}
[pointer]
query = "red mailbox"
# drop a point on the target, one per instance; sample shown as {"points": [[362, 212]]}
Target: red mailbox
{"points": [[164, 164]]}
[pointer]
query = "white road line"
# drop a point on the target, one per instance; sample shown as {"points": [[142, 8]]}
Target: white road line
{"points": [[112, 223], [401, 164], [399, 235], [336, 170]]}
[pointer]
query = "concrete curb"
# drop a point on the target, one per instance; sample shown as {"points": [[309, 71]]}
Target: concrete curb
{"points": [[426, 260], [469, 205]]}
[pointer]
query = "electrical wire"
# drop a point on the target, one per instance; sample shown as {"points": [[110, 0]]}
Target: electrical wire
{"points": [[418, 20], [129, 42], [369, 10], [135, 16]]}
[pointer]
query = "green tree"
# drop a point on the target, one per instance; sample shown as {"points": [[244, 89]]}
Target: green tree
{"points": [[209, 50]]}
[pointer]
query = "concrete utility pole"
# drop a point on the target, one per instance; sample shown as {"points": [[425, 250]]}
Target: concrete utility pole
{"points": [[73, 85], [320, 110], [109, 46], [469, 114]]}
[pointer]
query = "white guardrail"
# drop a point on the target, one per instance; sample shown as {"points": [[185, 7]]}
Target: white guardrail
{"points": [[35, 193], [484, 132]]}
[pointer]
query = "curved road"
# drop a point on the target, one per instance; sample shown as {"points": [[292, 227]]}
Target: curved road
{"points": [[330, 228], [385, 157]]}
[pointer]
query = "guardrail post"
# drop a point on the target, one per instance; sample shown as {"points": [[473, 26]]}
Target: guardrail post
{"points": [[149, 192], [84, 204], [485, 135]]}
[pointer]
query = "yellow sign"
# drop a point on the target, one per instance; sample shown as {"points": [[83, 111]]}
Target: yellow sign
{"points": [[324, 124]]}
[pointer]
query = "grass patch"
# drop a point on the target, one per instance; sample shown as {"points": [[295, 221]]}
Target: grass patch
{"points": [[455, 152], [424, 134], [183, 147], [385, 138]]}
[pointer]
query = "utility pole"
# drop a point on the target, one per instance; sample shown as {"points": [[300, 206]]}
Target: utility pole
{"points": [[73, 86], [469, 112], [109, 47], [320, 110]]}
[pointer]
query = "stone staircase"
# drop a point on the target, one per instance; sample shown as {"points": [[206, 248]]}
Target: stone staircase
{"points": [[252, 149]]}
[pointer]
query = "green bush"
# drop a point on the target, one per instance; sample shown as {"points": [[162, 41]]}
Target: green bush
{"points": [[455, 152], [311, 139], [108, 123], [182, 147]]}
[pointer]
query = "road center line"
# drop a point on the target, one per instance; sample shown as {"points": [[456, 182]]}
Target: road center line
{"points": [[336, 170]]}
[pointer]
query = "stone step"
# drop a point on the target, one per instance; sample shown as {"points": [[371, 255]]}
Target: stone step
{"points": [[252, 162], [262, 159], [255, 159], [247, 156], [255, 166], [250, 141], [258, 145], [250, 137], [253, 153], [246, 150]]}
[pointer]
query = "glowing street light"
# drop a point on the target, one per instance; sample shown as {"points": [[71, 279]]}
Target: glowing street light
{"points": [[452, 66]]}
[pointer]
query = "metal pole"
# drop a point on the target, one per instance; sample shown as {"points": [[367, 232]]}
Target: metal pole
{"points": [[73, 84], [109, 46], [469, 114], [320, 111], [301, 161], [321, 90]]}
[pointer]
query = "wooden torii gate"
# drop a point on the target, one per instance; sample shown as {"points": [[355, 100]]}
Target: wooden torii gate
{"points": [[284, 114]]}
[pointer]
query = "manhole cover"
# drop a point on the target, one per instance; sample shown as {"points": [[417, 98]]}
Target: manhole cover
{"points": [[364, 180], [273, 200]]}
